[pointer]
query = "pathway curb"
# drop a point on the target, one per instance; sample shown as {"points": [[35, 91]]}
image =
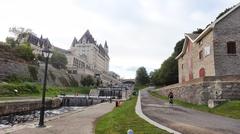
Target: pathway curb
{"points": [[138, 110]]}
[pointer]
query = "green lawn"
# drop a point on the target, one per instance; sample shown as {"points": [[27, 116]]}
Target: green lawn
{"points": [[123, 118], [34, 91], [229, 109]]}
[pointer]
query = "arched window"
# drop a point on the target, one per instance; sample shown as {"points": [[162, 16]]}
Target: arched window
{"points": [[202, 72]]}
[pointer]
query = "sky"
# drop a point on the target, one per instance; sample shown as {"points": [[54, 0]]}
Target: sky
{"points": [[138, 32]]}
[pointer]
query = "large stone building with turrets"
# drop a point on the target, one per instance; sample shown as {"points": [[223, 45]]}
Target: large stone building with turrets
{"points": [[87, 57]]}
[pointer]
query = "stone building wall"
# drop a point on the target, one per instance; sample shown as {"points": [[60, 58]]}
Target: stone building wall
{"points": [[228, 29], [200, 90], [184, 63], [207, 61]]}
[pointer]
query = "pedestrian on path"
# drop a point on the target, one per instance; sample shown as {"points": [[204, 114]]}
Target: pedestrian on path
{"points": [[170, 97]]}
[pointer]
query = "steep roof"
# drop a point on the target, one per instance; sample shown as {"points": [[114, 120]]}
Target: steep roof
{"points": [[74, 42], [212, 25], [105, 44], [192, 36], [195, 38], [88, 36]]}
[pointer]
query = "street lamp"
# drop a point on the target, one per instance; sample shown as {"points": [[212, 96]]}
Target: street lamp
{"points": [[46, 53]]}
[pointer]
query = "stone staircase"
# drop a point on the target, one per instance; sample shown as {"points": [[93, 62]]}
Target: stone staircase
{"points": [[94, 92]]}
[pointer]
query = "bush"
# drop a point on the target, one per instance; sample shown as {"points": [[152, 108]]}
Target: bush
{"points": [[7, 89], [33, 72], [58, 60], [14, 78], [11, 41], [88, 81], [24, 51]]}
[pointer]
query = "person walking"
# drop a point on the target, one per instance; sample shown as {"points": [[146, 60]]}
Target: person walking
{"points": [[170, 97]]}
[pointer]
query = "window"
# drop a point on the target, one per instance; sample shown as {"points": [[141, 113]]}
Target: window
{"points": [[200, 54], [207, 51], [231, 47]]}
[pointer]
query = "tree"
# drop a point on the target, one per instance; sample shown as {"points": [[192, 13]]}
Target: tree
{"points": [[88, 81], [198, 31], [168, 72], [25, 51], [11, 41], [58, 60], [142, 77]]}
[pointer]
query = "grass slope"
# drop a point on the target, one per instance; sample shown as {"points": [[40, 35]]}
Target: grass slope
{"points": [[123, 118], [34, 90], [229, 109]]}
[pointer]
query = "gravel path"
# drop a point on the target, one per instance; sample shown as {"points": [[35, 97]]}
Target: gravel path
{"points": [[77, 122], [185, 120]]}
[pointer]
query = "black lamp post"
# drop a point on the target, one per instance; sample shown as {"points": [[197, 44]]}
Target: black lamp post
{"points": [[47, 54]]}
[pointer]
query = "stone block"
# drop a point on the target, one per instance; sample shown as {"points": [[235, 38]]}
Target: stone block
{"points": [[214, 102]]}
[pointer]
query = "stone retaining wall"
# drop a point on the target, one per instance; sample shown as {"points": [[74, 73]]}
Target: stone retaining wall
{"points": [[13, 107], [201, 90], [55, 76]]}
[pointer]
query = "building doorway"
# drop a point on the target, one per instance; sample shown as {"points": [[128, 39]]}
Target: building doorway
{"points": [[202, 72]]}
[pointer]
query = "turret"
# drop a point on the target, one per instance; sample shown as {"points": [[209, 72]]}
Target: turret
{"points": [[106, 47], [74, 42]]}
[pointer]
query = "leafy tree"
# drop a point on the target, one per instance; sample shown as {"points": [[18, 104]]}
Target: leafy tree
{"points": [[178, 47], [168, 72], [58, 60], [25, 51], [198, 31], [11, 41], [142, 77], [88, 81]]}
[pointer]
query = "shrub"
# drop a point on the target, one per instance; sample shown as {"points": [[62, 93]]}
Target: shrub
{"points": [[14, 78], [88, 81], [24, 51], [33, 72], [58, 60], [7, 89], [11, 41]]}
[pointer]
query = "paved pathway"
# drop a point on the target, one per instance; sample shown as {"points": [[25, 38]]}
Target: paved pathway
{"points": [[185, 120], [78, 122]]}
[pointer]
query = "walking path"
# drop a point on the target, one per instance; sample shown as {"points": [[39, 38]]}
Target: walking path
{"points": [[77, 122], [185, 120]]}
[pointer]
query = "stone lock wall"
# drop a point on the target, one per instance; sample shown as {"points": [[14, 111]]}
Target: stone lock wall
{"points": [[199, 91], [13, 107]]}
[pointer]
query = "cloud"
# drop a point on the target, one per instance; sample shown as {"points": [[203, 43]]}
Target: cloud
{"points": [[139, 32]]}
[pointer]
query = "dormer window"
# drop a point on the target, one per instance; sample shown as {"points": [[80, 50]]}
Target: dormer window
{"points": [[84, 40], [231, 47]]}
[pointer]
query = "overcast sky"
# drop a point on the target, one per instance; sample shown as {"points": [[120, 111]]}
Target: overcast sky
{"points": [[138, 32]]}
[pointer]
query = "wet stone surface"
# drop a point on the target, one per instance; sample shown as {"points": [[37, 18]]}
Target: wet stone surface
{"points": [[12, 119]]}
